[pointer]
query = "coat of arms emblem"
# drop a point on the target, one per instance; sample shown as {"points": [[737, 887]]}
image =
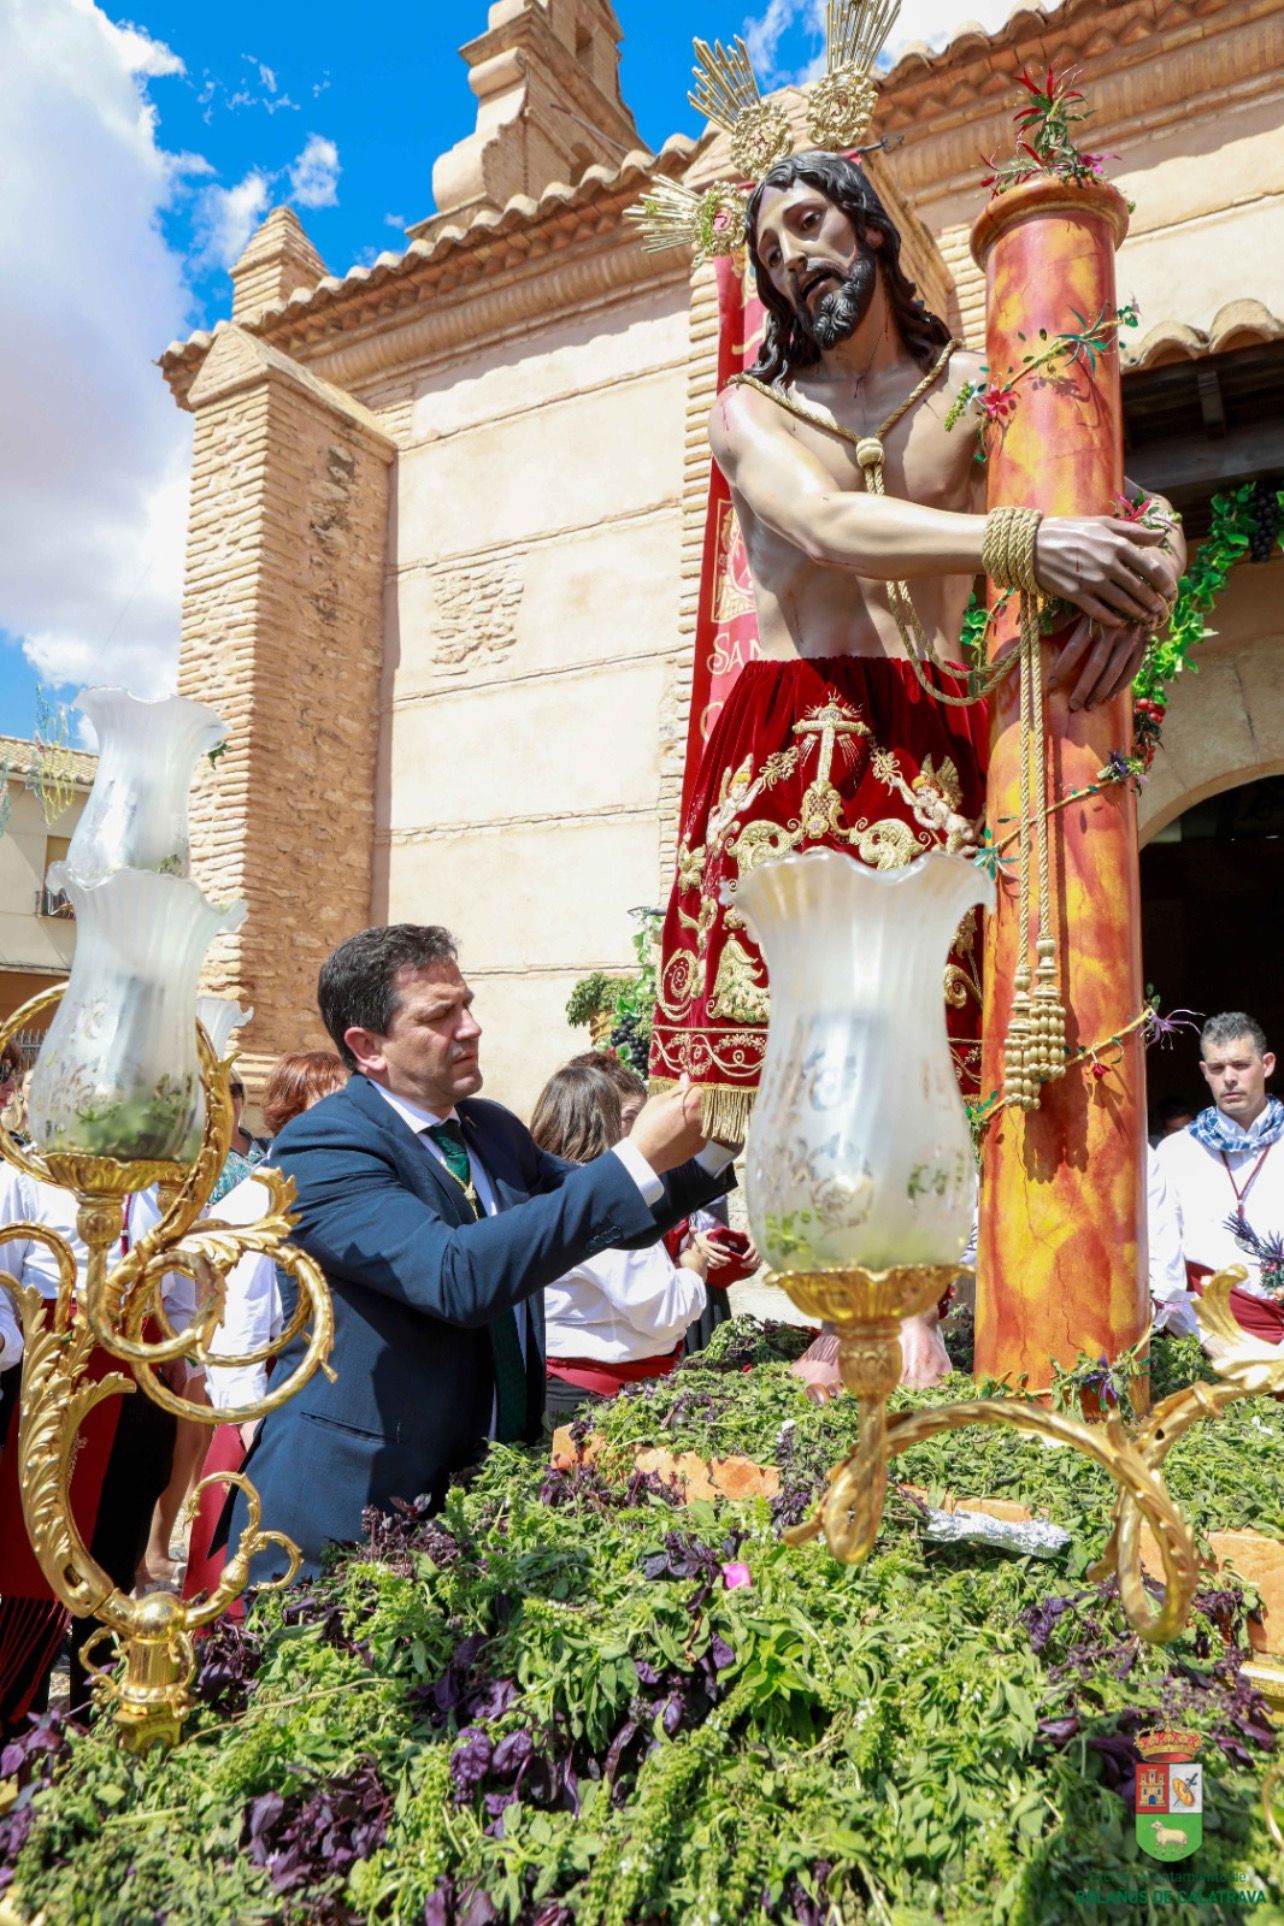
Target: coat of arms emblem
{"points": [[1169, 1794]]}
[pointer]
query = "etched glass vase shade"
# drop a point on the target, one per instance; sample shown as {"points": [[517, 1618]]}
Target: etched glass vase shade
{"points": [[219, 1016], [137, 813], [118, 1075], [859, 1152]]}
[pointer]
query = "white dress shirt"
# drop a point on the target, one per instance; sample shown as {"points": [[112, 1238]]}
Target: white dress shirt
{"points": [[26, 1199], [1202, 1195], [10, 1331], [252, 1314], [1172, 1300]]}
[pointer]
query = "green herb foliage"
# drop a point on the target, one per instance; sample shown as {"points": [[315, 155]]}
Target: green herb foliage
{"points": [[546, 1706]]}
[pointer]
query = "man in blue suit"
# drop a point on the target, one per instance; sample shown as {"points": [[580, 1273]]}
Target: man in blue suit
{"points": [[438, 1221]]}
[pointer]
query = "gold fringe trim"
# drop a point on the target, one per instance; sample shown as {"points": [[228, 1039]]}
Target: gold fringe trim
{"points": [[725, 1109]]}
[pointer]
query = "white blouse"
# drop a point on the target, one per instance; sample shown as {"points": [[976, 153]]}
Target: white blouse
{"points": [[621, 1306]]}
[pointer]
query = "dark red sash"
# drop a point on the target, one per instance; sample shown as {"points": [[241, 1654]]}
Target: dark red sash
{"points": [[1258, 1316], [205, 1566], [32, 1621], [605, 1376]]}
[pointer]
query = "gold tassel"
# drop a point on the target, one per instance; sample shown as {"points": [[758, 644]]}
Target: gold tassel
{"points": [[725, 1109]]}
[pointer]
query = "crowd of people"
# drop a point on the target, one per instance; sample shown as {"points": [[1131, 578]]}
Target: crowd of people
{"points": [[489, 1280]]}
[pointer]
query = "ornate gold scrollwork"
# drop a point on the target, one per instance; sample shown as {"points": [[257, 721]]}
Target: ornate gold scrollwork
{"points": [[866, 1307], [150, 1695]]}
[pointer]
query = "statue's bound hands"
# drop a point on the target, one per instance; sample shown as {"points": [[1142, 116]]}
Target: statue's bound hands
{"points": [[1095, 664], [1124, 580], [1111, 570]]}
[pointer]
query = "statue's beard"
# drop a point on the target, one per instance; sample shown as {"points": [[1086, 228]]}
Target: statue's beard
{"points": [[837, 315]]}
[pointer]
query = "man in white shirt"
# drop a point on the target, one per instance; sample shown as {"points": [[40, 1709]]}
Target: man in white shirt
{"points": [[1224, 1174]]}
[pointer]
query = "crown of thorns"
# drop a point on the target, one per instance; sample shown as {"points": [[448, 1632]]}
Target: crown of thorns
{"points": [[840, 110]]}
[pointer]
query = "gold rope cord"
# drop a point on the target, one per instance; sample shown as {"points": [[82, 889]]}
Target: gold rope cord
{"points": [[1034, 1050], [918, 644]]}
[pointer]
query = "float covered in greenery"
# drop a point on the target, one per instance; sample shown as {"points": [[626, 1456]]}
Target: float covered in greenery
{"points": [[569, 1701]]}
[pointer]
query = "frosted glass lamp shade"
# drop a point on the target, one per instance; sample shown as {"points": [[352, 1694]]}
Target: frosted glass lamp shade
{"points": [[859, 1152], [118, 1075], [219, 1016], [136, 816]]}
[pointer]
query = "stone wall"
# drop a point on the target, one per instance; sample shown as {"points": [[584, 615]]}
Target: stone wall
{"points": [[532, 638], [281, 634], [1225, 722]]}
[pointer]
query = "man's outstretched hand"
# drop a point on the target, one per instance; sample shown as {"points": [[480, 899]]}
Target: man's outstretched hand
{"points": [[667, 1128]]}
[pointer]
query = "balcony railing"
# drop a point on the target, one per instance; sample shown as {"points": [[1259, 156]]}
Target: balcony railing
{"points": [[52, 902]]}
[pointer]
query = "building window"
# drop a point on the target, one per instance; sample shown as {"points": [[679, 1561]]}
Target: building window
{"points": [[52, 902]]}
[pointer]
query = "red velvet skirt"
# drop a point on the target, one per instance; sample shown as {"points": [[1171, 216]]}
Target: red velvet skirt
{"points": [[844, 752]]}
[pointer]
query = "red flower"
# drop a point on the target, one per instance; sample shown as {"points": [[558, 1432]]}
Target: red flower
{"points": [[1100, 1070], [998, 404]]}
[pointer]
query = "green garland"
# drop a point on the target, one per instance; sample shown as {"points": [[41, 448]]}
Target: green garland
{"points": [[630, 998], [1236, 520]]}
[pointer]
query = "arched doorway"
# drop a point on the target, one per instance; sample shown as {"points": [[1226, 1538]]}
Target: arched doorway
{"points": [[1212, 882]]}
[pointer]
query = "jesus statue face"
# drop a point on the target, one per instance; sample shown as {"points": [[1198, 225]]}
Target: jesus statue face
{"points": [[817, 261]]}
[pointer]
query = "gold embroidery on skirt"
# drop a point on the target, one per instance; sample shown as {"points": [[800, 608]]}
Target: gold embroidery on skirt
{"points": [[963, 979], [888, 844], [740, 994]]}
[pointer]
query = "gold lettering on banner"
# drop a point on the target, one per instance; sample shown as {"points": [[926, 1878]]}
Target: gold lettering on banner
{"points": [[732, 588]]}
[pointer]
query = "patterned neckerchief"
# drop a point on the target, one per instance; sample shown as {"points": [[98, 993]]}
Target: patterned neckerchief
{"points": [[1220, 1133]]}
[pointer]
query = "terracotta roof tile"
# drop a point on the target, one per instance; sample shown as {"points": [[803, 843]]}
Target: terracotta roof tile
{"points": [[490, 223], [1239, 324]]}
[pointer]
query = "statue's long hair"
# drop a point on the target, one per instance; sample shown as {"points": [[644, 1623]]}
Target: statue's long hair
{"points": [[786, 347]]}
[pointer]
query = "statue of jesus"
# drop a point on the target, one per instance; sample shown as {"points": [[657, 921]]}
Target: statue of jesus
{"points": [[862, 516]]}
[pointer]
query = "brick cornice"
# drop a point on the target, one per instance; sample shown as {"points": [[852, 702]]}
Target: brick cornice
{"points": [[237, 362], [1142, 63]]}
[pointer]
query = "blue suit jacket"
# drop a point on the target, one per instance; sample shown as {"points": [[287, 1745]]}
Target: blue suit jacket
{"points": [[415, 1282]]}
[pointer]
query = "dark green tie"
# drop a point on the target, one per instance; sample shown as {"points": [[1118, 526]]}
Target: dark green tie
{"points": [[506, 1346]]}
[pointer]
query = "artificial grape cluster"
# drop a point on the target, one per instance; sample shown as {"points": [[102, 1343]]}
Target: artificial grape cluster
{"points": [[1264, 518], [631, 1040]]}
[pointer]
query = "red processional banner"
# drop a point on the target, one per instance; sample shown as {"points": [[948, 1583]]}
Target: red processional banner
{"points": [[726, 623]]}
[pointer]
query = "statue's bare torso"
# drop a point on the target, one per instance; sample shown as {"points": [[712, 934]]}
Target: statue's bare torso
{"points": [[806, 608]]}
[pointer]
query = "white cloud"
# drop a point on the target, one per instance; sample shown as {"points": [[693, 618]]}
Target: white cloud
{"points": [[93, 488], [314, 175], [799, 22], [937, 22], [764, 34], [395, 220], [136, 48], [225, 217]]}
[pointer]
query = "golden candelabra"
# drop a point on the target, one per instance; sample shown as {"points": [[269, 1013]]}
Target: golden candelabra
{"points": [[109, 1309], [866, 1308]]}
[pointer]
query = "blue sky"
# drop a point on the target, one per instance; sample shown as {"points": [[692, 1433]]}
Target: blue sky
{"points": [[140, 145]]}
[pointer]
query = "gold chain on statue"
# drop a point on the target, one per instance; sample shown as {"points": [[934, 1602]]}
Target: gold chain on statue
{"points": [[918, 644], [1034, 1052]]}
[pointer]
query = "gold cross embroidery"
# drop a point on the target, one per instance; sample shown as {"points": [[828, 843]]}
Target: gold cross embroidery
{"points": [[828, 724]]}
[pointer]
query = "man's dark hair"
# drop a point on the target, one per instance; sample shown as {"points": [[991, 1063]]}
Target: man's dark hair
{"points": [[1170, 1108], [355, 990], [1229, 1027], [786, 345]]}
